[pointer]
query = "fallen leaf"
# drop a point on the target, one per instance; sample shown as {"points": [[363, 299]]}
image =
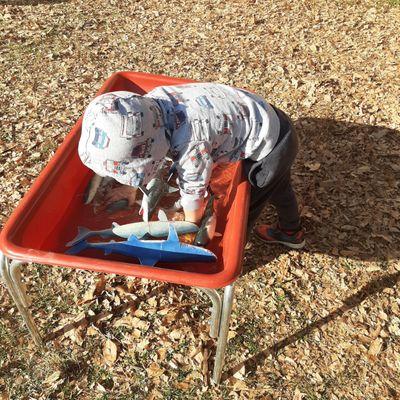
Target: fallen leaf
{"points": [[298, 395], [110, 352], [375, 347], [313, 166], [154, 370], [52, 378], [240, 374], [92, 331]]}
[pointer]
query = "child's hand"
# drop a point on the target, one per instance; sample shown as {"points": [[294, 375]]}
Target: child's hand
{"points": [[121, 192]]}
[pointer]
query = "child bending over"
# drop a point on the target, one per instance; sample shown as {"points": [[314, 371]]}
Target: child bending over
{"points": [[126, 136]]}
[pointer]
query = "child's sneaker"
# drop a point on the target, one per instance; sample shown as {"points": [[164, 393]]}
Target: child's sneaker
{"points": [[273, 234]]}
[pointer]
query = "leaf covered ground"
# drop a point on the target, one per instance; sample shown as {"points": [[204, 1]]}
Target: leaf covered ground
{"points": [[323, 323]]}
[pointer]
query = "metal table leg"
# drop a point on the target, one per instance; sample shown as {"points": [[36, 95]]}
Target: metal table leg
{"points": [[10, 273], [215, 311], [223, 332], [15, 273]]}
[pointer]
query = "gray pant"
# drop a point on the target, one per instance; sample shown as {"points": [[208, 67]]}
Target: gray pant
{"points": [[270, 179]]}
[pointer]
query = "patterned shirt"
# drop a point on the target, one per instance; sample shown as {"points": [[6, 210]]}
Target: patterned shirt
{"points": [[209, 123]]}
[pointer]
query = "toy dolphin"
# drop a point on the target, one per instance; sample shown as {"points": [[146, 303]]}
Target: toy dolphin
{"points": [[149, 252], [208, 224], [156, 229]]}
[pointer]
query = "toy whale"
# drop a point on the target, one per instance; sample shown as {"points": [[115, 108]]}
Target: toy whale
{"points": [[149, 252], [156, 229]]}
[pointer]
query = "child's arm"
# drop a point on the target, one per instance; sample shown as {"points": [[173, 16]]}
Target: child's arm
{"points": [[194, 172], [194, 216]]}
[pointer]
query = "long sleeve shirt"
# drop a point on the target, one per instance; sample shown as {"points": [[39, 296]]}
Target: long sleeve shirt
{"points": [[208, 123]]}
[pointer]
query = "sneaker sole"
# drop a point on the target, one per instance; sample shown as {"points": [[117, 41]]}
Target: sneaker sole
{"points": [[296, 246]]}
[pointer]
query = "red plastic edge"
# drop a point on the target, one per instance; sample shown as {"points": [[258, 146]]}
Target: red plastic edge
{"points": [[27, 203]]}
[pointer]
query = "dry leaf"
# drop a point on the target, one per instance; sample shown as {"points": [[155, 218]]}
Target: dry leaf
{"points": [[240, 385], [313, 166], [100, 388], [298, 395], [52, 378], [240, 374], [76, 335], [375, 347], [199, 357], [154, 370], [110, 352], [394, 327], [95, 290], [334, 68], [92, 331]]}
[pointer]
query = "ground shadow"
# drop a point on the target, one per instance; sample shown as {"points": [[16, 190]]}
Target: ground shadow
{"points": [[114, 313], [371, 288], [29, 2], [347, 178]]}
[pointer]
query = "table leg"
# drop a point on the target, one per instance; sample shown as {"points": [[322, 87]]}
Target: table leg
{"points": [[10, 273], [15, 273], [215, 311], [223, 332]]}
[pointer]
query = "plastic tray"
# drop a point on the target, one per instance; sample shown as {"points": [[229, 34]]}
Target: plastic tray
{"points": [[48, 215]]}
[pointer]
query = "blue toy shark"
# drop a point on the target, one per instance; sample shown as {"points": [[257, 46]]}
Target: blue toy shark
{"points": [[149, 252]]}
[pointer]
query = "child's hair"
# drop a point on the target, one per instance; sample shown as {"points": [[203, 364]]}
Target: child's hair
{"points": [[123, 136]]}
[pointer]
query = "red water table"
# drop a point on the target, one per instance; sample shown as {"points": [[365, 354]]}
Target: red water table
{"points": [[48, 216]]}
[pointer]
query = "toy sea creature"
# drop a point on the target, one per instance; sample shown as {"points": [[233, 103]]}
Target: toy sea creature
{"points": [[98, 184], [156, 189], [91, 188], [208, 224], [156, 229], [149, 252]]}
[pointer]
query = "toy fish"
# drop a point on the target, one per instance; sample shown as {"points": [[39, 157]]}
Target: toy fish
{"points": [[208, 224], [149, 252], [156, 229], [91, 188], [156, 190]]}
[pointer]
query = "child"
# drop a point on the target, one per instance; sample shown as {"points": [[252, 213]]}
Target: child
{"points": [[126, 136]]}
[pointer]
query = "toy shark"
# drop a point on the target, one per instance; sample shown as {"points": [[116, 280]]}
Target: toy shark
{"points": [[149, 252], [208, 224], [91, 188], [156, 190], [156, 229]]}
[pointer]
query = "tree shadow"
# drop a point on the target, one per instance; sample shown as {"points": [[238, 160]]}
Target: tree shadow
{"points": [[29, 2], [347, 179], [371, 288], [115, 312]]}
